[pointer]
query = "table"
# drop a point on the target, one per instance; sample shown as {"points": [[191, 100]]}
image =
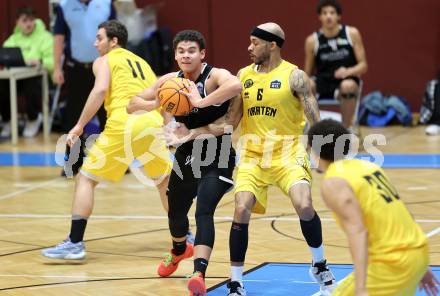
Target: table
{"points": [[14, 74]]}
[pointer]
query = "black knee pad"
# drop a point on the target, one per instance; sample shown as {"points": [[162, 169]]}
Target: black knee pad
{"points": [[205, 230], [178, 224]]}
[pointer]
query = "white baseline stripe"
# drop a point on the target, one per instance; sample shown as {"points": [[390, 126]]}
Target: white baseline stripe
{"points": [[333, 220], [274, 280], [30, 188], [151, 217], [434, 232], [54, 185], [416, 188]]}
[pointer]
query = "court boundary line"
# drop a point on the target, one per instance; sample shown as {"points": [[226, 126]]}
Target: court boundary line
{"points": [[30, 188], [244, 273], [119, 235], [433, 232], [163, 217]]}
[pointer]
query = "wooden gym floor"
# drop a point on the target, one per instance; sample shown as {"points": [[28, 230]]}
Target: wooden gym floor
{"points": [[128, 233]]}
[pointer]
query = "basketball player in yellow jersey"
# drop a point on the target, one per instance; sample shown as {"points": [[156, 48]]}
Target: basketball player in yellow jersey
{"points": [[119, 75], [389, 249], [275, 97]]}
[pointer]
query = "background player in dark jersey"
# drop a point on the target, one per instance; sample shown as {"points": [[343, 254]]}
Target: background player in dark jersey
{"points": [[203, 166], [335, 55]]}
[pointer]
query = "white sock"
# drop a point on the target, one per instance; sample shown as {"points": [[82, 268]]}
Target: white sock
{"points": [[317, 253], [237, 274]]}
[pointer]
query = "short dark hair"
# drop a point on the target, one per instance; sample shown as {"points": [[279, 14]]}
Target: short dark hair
{"points": [[325, 128], [334, 3], [189, 35], [115, 29], [26, 11]]}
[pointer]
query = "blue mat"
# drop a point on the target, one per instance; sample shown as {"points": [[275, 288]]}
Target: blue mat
{"points": [[270, 279], [401, 161]]}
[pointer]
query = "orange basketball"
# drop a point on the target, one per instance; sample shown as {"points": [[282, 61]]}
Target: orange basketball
{"points": [[171, 99]]}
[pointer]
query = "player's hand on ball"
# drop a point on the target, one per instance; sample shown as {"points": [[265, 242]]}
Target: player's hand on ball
{"points": [[193, 94]]}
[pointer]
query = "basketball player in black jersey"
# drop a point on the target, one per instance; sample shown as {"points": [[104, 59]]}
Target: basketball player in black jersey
{"points": [[203, 166], [335, 54]]}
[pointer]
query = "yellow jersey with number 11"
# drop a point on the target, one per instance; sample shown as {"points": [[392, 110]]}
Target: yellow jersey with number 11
{"points": [[130, 75]]}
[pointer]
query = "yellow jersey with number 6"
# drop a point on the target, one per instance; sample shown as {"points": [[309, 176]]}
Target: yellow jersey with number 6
{"points": [[270, 110], [391, 228]]}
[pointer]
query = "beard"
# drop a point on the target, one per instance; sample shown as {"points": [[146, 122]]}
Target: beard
{"points": [[262, 59]]}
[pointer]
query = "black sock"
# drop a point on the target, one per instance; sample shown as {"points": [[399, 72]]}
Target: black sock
{"points": [[200, 264], [179, 248], [312, 231], [77, 230], [238, 241]]}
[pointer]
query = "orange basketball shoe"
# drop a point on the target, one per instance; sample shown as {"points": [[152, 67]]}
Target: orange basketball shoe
{"points": [[170, 262], [196, 284]]}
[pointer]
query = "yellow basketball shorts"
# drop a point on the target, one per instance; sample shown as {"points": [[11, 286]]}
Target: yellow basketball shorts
{"points": [[253, 175], [399, 278], [125, 138]]}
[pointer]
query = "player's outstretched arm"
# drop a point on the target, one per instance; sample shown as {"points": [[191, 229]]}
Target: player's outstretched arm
{"points": [[229, 121], [147, 100], [340, 198], [96, 97], [143, 102], [228, 87], [300, 85], [225, 124]]}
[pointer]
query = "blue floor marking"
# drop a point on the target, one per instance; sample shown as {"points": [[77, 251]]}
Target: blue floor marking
{"points": [[28, 159], [420, 161], [426, 161], [270, 279]]}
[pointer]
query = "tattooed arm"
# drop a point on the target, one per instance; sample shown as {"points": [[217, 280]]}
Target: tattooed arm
{"points": [[300, 86], [232, 117], [230, 120]]}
